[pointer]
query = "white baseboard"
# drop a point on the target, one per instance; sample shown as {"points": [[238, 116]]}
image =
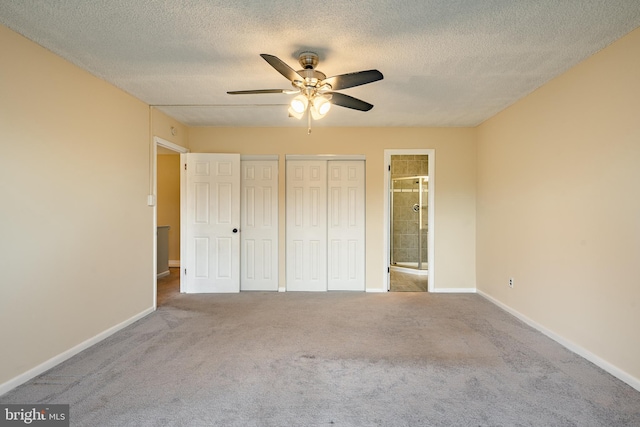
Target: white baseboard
{"points": [[454, 291], [284, 289], [56, 360], [580, 351], [174, 263], [163, 274], [435, 291]]}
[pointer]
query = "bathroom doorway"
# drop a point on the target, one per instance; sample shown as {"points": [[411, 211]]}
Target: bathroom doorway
{"points": [[410, 215]]}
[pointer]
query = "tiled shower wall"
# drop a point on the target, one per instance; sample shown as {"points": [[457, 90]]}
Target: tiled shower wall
{"points": [[409, 165], [405, 220]]}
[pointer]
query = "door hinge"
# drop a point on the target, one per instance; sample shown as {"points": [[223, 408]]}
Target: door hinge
{"points": [[388, 269], [185, 271], [185, 166], [389, 168]]}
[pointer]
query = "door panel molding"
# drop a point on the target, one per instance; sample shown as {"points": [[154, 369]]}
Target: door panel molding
{"points": [[211, 210], [325, 202], [346, 228], [259, 230], [306, 225]]}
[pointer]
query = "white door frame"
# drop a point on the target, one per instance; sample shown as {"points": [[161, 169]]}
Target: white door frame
{"points": [[152, 201], [431, 152]]}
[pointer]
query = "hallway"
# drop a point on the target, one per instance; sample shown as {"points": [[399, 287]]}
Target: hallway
{"points": [[169, 286]]}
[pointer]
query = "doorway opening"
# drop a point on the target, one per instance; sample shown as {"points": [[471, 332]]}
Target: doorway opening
{"points": [[409, 225], [409, 199], [166, 216]]}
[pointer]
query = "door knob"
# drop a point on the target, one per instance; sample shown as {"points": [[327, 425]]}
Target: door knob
{"points": [[235, 230]]}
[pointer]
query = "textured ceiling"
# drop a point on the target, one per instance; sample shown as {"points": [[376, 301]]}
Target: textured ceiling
{"points": [[445, 62]]}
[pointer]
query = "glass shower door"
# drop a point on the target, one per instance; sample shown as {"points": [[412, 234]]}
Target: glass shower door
{"points": [[408, 222], [423, 263]]}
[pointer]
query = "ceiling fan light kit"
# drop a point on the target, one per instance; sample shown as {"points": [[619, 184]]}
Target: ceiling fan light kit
{"points": [[298, 106], [322, 105], [315, 93]]}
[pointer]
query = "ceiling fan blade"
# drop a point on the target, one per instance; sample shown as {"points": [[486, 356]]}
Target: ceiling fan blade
{"points": [[248, 92], [349, 101], [344, 81], [282, 67]]}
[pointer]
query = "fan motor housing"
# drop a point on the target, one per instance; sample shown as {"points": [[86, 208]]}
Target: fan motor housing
{"points": [[308, 60]]}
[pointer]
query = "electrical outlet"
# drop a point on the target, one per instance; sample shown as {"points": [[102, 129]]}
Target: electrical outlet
{"points": [[511, 282]]}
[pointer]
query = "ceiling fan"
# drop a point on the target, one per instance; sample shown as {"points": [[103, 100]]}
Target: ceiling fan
{"points": [[315, 92]]}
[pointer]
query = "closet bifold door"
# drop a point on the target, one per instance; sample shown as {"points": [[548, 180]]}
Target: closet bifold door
{"points": [[306, 227], [259, 225], [345, 225], [325, 225]]}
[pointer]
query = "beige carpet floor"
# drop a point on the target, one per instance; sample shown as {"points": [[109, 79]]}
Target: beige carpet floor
{"points": [[343, 359]]}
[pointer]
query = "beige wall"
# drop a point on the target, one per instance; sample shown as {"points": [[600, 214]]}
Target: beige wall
{"points": [[454, 184], [168, 176], [76, 233], [169, 200], [559, 207], [168, 128]]}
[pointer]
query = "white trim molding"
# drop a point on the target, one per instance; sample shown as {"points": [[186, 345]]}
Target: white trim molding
{"points": [[453, 291], [571, 346], [260, 157], [325, 157], [170, 145], [152, 199]]}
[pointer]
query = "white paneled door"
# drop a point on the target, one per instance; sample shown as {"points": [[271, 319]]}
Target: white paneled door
{"points": [[212, 223], [325, 225], [345, 225], [306, 225], [259, 226]]}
